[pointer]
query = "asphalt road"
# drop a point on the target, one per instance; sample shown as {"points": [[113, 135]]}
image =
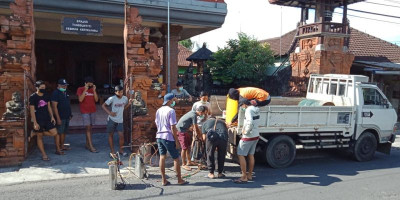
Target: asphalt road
{"points": [[327, 175]]}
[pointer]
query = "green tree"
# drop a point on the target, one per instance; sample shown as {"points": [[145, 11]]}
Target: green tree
{"points": [[187, 43], [242, 61]]}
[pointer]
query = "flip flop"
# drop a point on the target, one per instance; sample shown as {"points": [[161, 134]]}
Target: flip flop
{"points": [[221, 176], [167, 183], [184, 183], [60, 153], [66, 149], [187, 168], [45, 158], [238, 181]]}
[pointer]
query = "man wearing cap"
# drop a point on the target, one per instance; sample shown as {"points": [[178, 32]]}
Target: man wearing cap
{"points": [[62, 110], [87, 104], [167, 138]]}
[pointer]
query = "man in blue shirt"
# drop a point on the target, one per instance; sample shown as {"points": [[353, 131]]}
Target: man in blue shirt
{"points": [[62, 110]]}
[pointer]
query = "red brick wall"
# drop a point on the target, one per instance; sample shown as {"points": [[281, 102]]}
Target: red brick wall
{"points": [[17, 56]]}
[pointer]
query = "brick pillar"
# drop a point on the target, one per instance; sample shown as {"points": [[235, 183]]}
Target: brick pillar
{"points": [[318, 55], [17, 56], [143, 65], [175, 32]]}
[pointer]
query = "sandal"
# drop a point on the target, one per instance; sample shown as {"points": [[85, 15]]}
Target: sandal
{"points": [[184, 183], [166, 183], [66, 148], [60, 153], [93, 150], [240, 181], [221, 176], [46, 158], [187, 168]]}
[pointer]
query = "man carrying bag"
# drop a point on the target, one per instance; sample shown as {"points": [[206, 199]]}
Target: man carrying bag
{"points": [[215, 133]]}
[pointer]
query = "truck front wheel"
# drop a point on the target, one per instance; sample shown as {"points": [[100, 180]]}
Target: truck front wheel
{"points": [[365, 147], [280, 152]]}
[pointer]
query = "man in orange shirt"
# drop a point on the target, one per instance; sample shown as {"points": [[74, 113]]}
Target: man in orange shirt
{"points": [[258, 97]]}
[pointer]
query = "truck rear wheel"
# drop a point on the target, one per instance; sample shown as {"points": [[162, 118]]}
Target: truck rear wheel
{"points": [[280, 152], [365, 147]]}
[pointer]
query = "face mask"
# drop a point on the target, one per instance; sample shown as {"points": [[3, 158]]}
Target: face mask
{"points": [[62, 89], [242, 109], [201, 117], [172, 104], [42, 90], [180, 88], [203, 102]]}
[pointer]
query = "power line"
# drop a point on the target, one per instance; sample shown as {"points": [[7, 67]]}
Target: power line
{"points": [[368, 18], [372, 13], [381, 4], [392, 1]]}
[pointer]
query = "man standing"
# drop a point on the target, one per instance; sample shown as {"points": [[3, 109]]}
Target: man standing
{"points": [[220, 144], [87, 103], [62, 110], [184, 135], [248, 143], [42, 117], [115, 119], [167, 139]]}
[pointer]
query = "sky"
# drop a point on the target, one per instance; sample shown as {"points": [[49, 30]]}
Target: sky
{"points": [[262, 20]]}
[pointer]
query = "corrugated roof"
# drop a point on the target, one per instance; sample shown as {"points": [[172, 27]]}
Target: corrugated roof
{"points": [[365, 47]]}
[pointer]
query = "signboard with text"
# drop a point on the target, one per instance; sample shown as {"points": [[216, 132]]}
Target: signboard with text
{"points": [[81, 26]]}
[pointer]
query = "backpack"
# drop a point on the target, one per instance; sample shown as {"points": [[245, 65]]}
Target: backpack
{"points": [[212, 135]]}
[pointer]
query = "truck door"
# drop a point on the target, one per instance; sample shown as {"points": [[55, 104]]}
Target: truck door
{"points": [[375, 112]]}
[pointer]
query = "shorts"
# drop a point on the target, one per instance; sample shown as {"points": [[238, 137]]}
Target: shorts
{"points": [[114, 126], [246, 148], [166, 145], [45, 126], [88, 119], [63, 128], [185, 139]]}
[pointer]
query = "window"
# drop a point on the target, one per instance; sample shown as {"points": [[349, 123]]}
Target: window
{"points": [[372, 97], [333, 89], [342, 90]]}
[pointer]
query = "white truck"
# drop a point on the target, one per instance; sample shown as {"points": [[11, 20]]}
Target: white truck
{"points": [[348, 112]]}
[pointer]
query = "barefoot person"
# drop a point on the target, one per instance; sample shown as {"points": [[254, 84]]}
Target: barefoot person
{"points": [[248, 143], [115, 119], [42, 117], [87, 104], [167, 139]]}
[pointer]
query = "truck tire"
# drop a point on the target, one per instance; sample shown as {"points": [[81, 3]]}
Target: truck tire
{"points": [[280, 152], [365, 147]]}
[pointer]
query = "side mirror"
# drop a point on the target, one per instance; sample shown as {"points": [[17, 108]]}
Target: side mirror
{"points": [[385, 103]]}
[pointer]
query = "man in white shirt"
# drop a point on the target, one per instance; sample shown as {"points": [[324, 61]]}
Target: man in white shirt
{"points": [[248, 142]]}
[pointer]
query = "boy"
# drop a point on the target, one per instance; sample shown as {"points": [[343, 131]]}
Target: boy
{"points": [[115, 119]]}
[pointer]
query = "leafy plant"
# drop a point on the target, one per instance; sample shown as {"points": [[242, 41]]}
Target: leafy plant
{"points": [[242, 61]]}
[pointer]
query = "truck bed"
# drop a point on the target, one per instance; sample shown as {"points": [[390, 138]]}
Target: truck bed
{"points": [[303, 119]]}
